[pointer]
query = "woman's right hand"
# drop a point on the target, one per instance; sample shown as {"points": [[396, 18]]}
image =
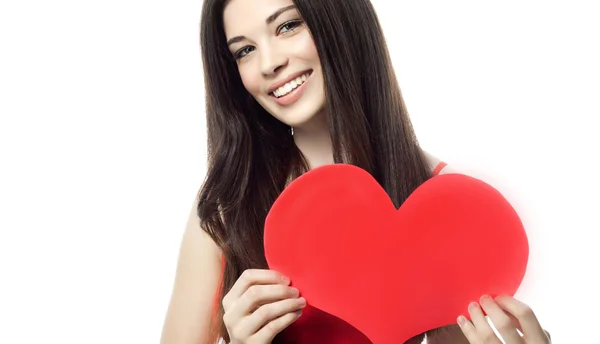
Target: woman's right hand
{"points": [[260, 304]]}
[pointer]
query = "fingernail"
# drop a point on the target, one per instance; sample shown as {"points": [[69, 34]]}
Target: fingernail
{"points": [[462, 320], [285, 279], [295, 292], [486, 298], [302, 302], [473, 306]]}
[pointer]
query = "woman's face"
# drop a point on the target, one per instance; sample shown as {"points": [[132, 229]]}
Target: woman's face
{"points": [[276, 58]]}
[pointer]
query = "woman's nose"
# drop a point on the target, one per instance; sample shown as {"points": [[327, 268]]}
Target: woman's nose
{"points": [[271, 61]]}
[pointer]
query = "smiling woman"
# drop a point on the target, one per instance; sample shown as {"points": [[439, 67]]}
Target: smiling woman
{"points": [[291, 86]]}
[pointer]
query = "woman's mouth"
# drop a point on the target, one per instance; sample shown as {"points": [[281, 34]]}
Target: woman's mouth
{"points": [[291, 91], [290, 86]]}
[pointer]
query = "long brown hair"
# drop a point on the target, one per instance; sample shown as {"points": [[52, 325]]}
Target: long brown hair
{"points": [[251, 155]]}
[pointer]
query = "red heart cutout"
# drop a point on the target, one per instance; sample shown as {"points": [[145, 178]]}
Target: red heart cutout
{"points": [[394, 273]]}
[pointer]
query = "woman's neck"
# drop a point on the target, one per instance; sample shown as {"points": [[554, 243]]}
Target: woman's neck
{"points": [[314, 141]]}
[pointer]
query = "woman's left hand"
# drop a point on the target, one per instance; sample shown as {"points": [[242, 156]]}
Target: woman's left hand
{"points": [[507, 314]]}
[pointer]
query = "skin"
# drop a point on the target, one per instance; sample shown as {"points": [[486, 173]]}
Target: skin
{"points": [[508, 315], [261, 303]]}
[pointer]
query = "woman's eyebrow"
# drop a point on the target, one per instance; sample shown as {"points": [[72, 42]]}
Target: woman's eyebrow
{"points": [[277, 13], [270, 19]]}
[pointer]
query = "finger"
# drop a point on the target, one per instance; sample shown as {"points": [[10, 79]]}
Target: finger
{"points": [[530, 325], [518, 326], [269, 312], [258, 295], [268, 332], [501, 321], [468, 330], [514, 321], [251, 277], [485, 333]]}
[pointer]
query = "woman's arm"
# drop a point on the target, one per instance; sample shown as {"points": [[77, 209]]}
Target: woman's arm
{"points": [[196, 281]]}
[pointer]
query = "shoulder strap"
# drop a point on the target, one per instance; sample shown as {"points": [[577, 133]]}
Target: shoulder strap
{"points": [[440, 166]]}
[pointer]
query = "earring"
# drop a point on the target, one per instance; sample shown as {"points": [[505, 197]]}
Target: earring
{"points": [[292, 131]]}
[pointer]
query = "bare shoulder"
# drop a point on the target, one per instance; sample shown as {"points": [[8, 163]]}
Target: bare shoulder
{"points": [[197, 278]]}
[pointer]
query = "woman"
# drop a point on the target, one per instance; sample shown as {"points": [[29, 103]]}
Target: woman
{"points": [[291, 86]]}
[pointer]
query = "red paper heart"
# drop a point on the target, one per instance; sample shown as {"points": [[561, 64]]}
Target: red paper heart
{"points": [[393, 274]]}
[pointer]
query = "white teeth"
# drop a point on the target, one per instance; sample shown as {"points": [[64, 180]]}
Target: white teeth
{"points": [[290, 86]]}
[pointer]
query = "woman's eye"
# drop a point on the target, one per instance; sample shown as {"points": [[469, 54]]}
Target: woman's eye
{"points": [[289, 26], [242, 52], [285, 27]]}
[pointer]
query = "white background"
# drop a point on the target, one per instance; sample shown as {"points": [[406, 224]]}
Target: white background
{"points": [[102, 149]]}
